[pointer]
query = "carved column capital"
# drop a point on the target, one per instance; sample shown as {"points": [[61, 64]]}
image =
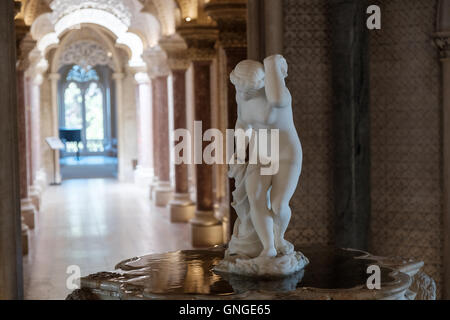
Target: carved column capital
{"points": [[177, 53], [38, 66], [17, 7], [200, 39], [156, 60], [117, 76], [141, 78], [442, 42], [26, 45], [54, 76], [231, 18]]}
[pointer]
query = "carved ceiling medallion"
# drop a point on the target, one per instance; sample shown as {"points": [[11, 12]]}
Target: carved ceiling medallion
{"points": [[86, 54]]}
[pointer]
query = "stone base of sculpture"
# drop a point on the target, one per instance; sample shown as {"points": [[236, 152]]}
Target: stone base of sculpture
{"points": [[24, 238], [280, 266], [206, 230], [182, 209], [35, 196], [163, 194], [28, 212], [153, 186]]}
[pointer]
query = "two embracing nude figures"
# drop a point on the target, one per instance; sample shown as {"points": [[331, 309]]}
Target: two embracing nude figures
{"points": [[262, 201]]}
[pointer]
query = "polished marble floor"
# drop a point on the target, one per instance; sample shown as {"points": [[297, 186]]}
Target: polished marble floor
{"points": [[94, 224], [88, 167]]}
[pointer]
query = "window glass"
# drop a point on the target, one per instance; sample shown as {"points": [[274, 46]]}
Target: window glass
{"points": [[94, 117], [73, 101]]}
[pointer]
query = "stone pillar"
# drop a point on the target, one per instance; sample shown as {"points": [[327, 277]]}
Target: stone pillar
{"points": [[28, 124], [11, 276], [255, 30], [442, 40], [163, 192], [35, 142], [144, 170], [118, 88], [155, 142], [231, 18], [351, 122], [54, 78], [264, 28], [26, 205], [273, 22], [207, 230], [182, 208]]}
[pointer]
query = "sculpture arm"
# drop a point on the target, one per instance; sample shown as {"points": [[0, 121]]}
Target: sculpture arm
{"points": [[277, 93]]}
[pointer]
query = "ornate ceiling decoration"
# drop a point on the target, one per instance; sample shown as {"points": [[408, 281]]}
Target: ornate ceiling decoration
{"points": [[118, 8], [33, 9], [164, 10], [86, 53], [189, 8]]}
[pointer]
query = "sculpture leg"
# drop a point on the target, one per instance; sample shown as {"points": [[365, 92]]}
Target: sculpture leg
{"points": [[256, 187], [283, 187]]}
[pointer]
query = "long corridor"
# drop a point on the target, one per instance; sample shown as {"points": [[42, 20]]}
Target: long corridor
{"points": [[94, 224]]}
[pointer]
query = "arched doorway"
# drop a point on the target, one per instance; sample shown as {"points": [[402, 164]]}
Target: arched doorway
{"points": [[87, 122]]}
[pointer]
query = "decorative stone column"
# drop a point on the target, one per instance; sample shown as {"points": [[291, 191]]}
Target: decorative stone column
{"points": [[182, 208], [11, 275], [144, 171], [207, 230], [54, 78], [231, 18], [35, 126], [264, 28], [163, 192], [156, 61], [118, 88], [27, 207], [351, 123], [442, 40], [155, 142]]}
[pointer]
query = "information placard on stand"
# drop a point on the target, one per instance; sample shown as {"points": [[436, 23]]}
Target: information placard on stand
{"points": [[55, 144]]}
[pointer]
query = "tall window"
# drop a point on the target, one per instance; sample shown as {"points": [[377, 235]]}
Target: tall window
{"points": [[84, 107]]}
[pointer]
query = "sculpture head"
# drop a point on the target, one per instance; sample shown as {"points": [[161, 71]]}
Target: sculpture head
{"points": [[248, 77]]}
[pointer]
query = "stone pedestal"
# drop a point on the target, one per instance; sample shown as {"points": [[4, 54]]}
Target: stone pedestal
{"points": [[162, 194], [35, 196], [182, 208], [25, 239], [28, 212], [206, 229], [333, 274], [153, 186]]}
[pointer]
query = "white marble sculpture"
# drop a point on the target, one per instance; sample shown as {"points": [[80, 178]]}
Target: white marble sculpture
{"points": [[258, 247]]}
